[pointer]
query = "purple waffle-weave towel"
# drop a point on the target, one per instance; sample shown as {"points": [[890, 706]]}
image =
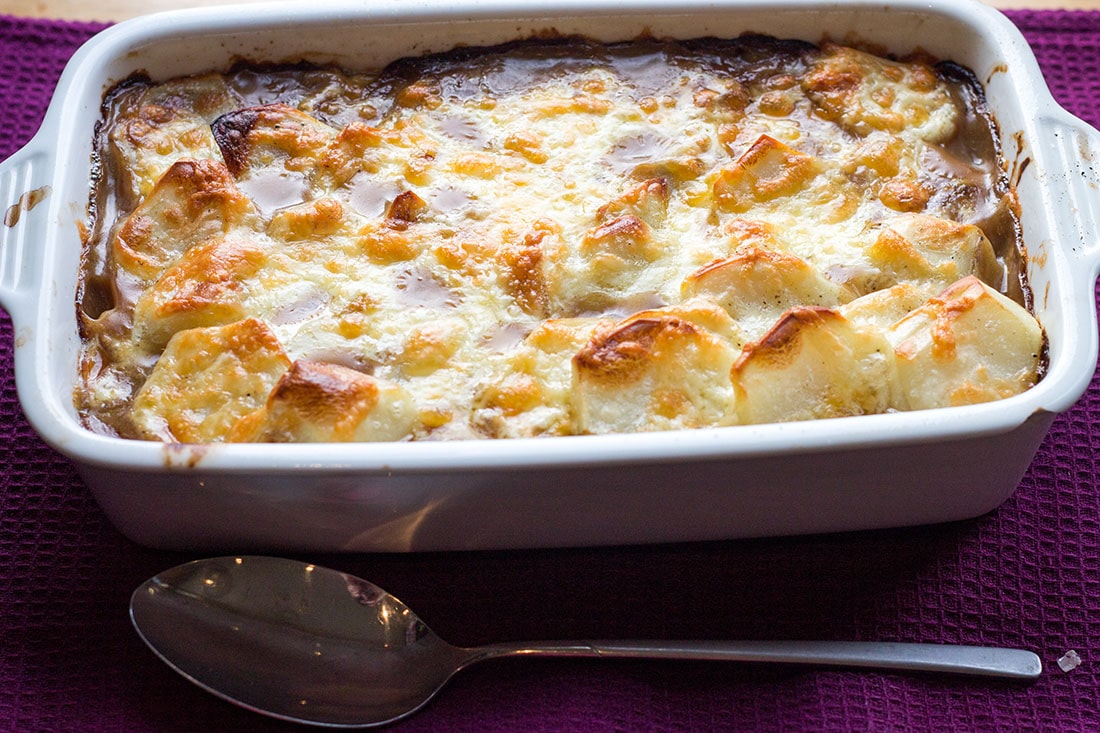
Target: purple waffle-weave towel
{"points": [[1027, 575]]}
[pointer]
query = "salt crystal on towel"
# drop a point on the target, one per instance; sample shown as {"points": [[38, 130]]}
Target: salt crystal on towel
{"points": [[1069, 660]]}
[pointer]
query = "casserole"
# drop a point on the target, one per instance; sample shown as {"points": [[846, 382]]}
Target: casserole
{"points": [[851, 473], [549, 237]]}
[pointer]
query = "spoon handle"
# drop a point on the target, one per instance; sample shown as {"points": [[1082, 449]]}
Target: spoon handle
{"points": [[956, 659]]}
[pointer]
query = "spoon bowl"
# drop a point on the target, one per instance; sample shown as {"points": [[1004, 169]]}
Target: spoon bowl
{"points": [[312, 645], [292, 640]]}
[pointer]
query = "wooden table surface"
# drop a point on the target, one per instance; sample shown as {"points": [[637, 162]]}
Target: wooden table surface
{"points": [[115, 10]]}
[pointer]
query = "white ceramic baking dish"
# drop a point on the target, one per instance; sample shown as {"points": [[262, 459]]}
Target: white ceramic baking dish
{"points": [[850, 473]]}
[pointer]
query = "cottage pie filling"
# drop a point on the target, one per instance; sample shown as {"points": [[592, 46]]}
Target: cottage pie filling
{"points": [[549, 237]]}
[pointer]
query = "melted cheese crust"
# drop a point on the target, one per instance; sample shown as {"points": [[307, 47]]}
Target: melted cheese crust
{"points": [[550, 238]]}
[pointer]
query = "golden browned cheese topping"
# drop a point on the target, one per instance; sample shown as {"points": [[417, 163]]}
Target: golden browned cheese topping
{"points": [[549, 237]]}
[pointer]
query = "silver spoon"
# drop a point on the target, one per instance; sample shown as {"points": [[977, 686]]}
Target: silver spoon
{"points": [[311, 645]]}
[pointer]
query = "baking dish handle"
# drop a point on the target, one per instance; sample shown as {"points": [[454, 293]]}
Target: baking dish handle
{"points": [[1076, 146], [23, 187]]}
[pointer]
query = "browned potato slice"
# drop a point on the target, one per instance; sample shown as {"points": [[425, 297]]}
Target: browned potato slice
{"points": [[970, 344], [523, 266], [881, 309], [193, 201], [206, 287], [768, 170], [932, 252], [616, 251], [171, 122], [256, 137], [863, 93], [317, 402], [277, 153], [654, 371], [756, 286], [357, 148], [813, 364], [647, 200], [206, 380], [311, 221]]}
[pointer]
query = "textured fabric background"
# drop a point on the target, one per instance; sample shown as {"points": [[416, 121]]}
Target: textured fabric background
{"points": [[1027, 575]]}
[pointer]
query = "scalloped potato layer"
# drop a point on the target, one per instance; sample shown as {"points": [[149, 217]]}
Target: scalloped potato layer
{"points": [[548, 238]]}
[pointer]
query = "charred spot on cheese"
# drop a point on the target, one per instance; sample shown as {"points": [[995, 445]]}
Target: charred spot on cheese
{"points": [[277, 127], [549, 236], [405, 209], [231, 132], [321, 402], [618, 354]]}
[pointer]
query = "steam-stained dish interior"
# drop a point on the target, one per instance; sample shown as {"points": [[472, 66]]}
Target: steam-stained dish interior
{"points": [[549, 237]]}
